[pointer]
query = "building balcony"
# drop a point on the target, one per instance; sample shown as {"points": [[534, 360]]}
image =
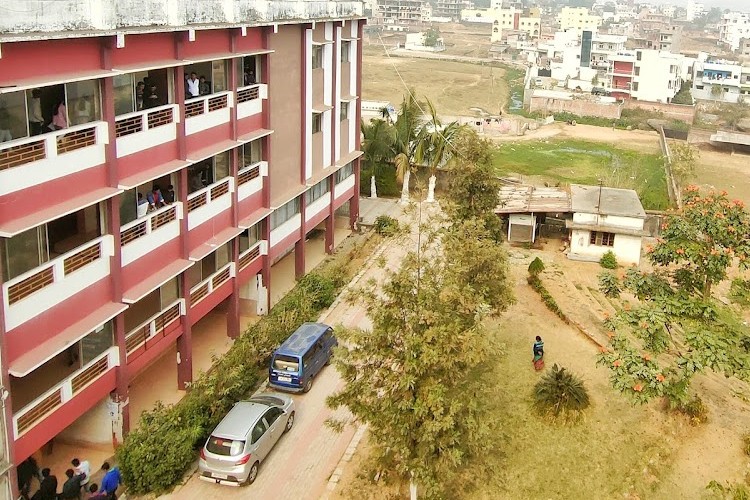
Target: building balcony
{"points": [[210, 201], [250, 179], [205, 112], [145, 129], [250, 99], [286, 229], [730, 82], [146, 335], [343, 186], [212, 283], [42, 288], [141, 236], [35, 160], [316, 207], [252, 254], [35, 412], [620, 72]]}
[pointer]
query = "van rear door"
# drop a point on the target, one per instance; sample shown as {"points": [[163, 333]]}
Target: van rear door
{"points": [[285, 370]]}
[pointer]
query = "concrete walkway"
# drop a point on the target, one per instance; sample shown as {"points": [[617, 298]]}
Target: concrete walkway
{"points": [[302, 462], [371, 208]]}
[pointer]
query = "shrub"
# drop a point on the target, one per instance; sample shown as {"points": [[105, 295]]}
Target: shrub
{"points": [[739, 291], [547, 298], [694, 409], [560, 393], [730, 491], [154, 457], [536, 267], [609, 284], [386, 225], [746, 444], [608, 260], [385, 180]]}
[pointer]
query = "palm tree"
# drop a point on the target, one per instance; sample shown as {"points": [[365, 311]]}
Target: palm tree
{"points": [[409, 144], [377, 147], [438, 139]]}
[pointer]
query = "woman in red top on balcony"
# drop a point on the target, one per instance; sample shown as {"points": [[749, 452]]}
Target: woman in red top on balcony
{"points": [[59, 117]]}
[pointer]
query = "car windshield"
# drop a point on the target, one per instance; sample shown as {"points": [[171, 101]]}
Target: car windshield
{"points": [[286, 363], [225, 447]]}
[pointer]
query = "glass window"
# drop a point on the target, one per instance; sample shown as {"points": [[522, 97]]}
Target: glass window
{"points": [[317, 191], [317, 56], [344, 172], [317, 122], [169, 292], [24, 252], [224, 447], [284, 213], [96, 342], [219, 74], [195, 274], [84, 103], [13, 123], [248, 71], [222, 254], [124, 95], [344, 114], [286, 363], [345, 48], [250, 237], [221, 166], [271, 415], [252, 152], [128, 206], [258, 431], [208, 265]]}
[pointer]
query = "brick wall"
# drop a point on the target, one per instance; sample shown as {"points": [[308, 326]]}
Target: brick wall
{"points": [[578, 107], [682, 112]]}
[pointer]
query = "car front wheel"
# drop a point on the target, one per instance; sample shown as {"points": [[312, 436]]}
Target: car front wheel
{"points": [[289, 422], [252, 476]]}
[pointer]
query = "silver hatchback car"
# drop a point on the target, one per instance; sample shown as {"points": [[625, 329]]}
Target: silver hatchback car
{"points": [[244, 437]]}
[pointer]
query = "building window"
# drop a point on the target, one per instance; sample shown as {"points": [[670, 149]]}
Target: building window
{"points": [[317, 191], [345, 48], [635, 87], [602, 239], [208, 171], [344, 173], [317, 122], [317, 56], [252, 152], [638, 55], [637, 70], [284, 213], [250, 237], [344, 114]]}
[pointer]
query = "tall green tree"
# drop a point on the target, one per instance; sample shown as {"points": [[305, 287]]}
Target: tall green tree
{"points": [[439, 147], [408, 148], [413, 377], [377, 147]]}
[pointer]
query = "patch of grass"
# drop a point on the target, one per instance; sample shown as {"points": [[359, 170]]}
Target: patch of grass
{"points": [[583, 162]]}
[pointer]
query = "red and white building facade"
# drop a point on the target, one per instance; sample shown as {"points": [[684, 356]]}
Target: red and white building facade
{"points": [[95, 288]]}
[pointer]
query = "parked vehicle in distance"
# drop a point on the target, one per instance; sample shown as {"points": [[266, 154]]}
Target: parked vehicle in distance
{"points": [[299, 359], [244, 438], [599, 91]]}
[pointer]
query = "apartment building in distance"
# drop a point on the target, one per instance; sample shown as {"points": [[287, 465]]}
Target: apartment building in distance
{"points": [[98, 111], [719, 80], [451, 8], [527, 22], [579, 19], [646, 75], [402, 12], [733, 27]]}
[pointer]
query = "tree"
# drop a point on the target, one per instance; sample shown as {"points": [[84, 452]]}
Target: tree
{"points": [[684, 159], [474, 190], [413, 377], [377, 146], [431, 37], [409, 151], [560, 393], [439, 148], [717, 92], [684, 96], [677, 330]]}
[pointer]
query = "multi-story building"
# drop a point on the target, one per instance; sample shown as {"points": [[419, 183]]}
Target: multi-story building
{"points": [[720, 80], [403, 12], [602, 46], [667, 38], [451, 8], [578, 18], [694, 10], [734, 26], [743, 50], [646, 75], [526, 22], [99, 111]]}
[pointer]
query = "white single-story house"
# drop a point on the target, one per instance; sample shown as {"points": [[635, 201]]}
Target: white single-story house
{"points": [[605, 219], [527, 206]]}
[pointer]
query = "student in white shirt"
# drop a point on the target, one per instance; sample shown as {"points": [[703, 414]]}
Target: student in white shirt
{"points": [[82, 468], [193, 86]]}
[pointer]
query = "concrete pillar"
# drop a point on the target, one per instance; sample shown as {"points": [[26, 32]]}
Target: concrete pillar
{"points": [[354, 201], [299, 247], [329, 234], [185, 341]]}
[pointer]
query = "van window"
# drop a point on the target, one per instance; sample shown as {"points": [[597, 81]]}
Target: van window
{"points": [[286, 363], [224, 447], [310, 354], [258, 431]]}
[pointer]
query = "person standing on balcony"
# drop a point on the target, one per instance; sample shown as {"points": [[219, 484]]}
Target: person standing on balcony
{"points": [[205, 87], [152, 97], [169, 195], [59, 117], [142, 207], [140, 89], [36, 119], [193, 86]]}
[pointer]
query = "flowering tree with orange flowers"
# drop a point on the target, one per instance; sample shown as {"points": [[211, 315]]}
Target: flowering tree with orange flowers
{"points": [[676, 330]]}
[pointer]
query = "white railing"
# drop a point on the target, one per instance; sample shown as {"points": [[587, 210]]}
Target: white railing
{"points": [[204, 104], [343, 186], [150, 223], [33, 160], [250, 179], [155, 324], [250, 99], [248, 256], [209, 202], [31, 414], [132, 123], [46, 277], [208, 285]]}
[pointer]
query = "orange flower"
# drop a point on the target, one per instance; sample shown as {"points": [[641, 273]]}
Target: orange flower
{"points": [[626, 306], [638, 388], [738, 203], [644, 325], [714, 251], [611, 335], [649, 249], [660, 377], [617, 363], [680, 251], [731, 229], [646, 357], [723, 193]]}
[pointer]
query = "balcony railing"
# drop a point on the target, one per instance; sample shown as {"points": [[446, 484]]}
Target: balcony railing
{"points": [[153, 221], [154, 326], [250, 179], [248, 173], [245, 94], [205, 104], [208, 194], [34, 412], [248, 256], [132, 123], [208, 285]]}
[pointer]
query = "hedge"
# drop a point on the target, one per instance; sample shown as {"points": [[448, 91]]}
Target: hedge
{"points": [[155, 456], [547, 298]]}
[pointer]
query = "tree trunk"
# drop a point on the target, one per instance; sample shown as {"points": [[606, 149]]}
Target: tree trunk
{"points": [[405, 189], [706, 289], [412, 489], [373, 188], [431, 189]]}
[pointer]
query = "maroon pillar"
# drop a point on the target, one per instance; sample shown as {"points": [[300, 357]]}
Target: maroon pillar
{"points": [[354, 201], [7, 405], [299, 247]]}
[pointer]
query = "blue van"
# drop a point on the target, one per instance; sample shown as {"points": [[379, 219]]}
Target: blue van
{"points": [[301, 357]]}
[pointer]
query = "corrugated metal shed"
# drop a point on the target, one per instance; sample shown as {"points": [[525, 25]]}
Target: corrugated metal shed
{"points": [[531, 199]]}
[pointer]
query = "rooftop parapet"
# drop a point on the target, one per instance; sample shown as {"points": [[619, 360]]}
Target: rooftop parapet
{"points": [[29, 19]]}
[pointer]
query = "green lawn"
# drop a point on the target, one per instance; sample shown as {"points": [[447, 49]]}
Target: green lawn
{"points": [[582, 162]]}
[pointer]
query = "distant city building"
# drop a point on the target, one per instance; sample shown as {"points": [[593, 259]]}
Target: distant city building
{"points": [[578, 18], [720, 80], [524, 21], [734, 26], [419, 41], [646, 75], [694, 10], [451, 8], [402, 12]]}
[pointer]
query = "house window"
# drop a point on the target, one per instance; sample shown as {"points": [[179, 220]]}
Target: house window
{"points": [[345, 46], [344, 172], [317, 56], [344, 115], [317, 122], [635, 87], [602, 239], [284, 213], [638, 55], [637, 70], [317, 191]]}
